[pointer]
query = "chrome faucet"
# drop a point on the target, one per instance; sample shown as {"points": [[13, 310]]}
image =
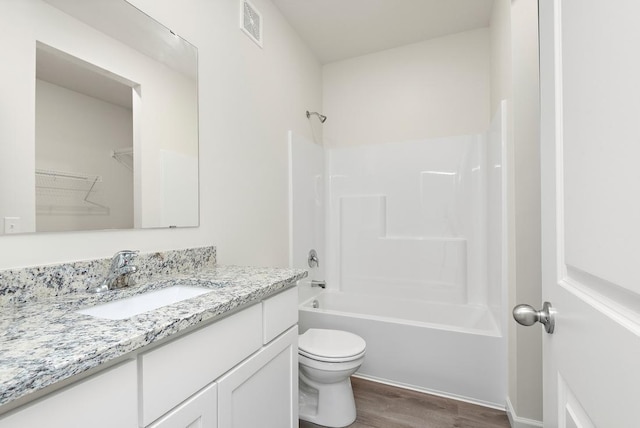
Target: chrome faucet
{"points": [[119, 274]]}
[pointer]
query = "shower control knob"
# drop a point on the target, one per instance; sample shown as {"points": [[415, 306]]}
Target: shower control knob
{"points": [[527, 315], [313, 260]]}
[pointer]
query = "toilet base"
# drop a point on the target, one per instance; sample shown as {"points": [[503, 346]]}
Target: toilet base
{"points": [[330, 405]]}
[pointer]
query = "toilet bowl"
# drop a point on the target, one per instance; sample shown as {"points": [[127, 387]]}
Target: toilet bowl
{"points": [[326, 360]]}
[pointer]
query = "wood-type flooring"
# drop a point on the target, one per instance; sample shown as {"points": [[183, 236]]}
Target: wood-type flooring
{"points": [[384, 406]]}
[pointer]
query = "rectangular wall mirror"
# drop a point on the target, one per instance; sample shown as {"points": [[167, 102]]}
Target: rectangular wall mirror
{"points": [[98, 121]]}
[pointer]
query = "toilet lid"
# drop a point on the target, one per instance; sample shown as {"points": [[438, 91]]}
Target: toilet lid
{"points": [[330, 345]]}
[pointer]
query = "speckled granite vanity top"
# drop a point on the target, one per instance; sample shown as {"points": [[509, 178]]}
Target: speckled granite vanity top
{"points": [[43, 340]]}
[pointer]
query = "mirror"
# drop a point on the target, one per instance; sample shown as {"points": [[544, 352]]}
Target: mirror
{"points": [[99, 129]]}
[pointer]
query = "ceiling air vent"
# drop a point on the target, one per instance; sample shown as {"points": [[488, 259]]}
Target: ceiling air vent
{"points": [[251, 22]]}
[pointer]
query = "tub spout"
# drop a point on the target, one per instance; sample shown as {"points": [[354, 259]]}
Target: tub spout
{"points": [[321, 284]]}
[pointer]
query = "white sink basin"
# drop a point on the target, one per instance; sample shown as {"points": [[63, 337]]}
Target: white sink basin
{"points": [[131, 306]]}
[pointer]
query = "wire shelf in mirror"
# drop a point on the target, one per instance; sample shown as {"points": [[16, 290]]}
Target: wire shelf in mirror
{"points": [[51, 179], [124, 156], [67, 193]]}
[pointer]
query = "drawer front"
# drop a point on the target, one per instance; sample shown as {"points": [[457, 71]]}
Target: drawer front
{"points": [[279, 313], [173, 372]]}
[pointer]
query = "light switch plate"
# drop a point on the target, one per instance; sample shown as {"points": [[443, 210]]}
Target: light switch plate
{"points": [[11, 225]]}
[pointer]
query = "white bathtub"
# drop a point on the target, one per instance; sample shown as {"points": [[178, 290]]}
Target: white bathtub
{"points": [[456, 351]]}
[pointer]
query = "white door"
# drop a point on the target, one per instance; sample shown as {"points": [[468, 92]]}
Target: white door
{"points": [[590, 107]]}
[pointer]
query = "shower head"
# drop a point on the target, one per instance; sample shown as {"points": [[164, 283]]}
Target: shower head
{"points": [[322, 117]]}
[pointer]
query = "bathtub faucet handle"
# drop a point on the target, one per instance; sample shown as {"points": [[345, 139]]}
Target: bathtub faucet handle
{"points": [[313, 260], [316, 283]]}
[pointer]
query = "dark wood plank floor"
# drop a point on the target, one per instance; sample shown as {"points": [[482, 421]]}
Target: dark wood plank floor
{"points": [[383, 406]]}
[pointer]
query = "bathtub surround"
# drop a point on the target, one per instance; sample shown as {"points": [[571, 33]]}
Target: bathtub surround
{"points": [[41, 282], [34, 325], [448, 350], [512, 70], [471, 319], [307, 211], [407, 219], [416, 259]]}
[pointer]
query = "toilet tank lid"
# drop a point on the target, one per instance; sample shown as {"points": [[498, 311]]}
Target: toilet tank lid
{"points": [[331, 343]]}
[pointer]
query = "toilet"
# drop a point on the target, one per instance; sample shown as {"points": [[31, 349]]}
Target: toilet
{"points": [[326, 360]]}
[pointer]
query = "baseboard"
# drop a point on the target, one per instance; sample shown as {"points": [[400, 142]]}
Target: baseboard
{"points": [[518, 422], [430, 391]]}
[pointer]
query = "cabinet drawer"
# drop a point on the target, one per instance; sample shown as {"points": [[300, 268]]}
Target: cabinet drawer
{"points": [[279, 313], [171, 373]]}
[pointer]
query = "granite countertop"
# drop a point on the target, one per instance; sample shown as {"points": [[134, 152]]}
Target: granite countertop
{"points": [[44, 341]]}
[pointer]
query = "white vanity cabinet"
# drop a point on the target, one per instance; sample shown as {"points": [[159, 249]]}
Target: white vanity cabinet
{"points": [[173, 372], [258, 391], [238, 372], [262, 391], [105, 400]]}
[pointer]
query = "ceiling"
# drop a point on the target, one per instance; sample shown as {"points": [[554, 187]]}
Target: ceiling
{"points": [[340, 29], [64, 70]]}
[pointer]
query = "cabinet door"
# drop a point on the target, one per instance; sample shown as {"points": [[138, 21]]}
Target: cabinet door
{"points": [[105, 400], [197, 412], [263, 390], [179, 369]]}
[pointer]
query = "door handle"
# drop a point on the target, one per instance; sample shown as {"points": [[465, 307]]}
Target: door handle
{"points": [[527, 315]]}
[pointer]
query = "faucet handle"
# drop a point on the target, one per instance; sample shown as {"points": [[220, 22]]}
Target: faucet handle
{"points": [[119, 273], [130, 253], [313, 260], [125, 257]]}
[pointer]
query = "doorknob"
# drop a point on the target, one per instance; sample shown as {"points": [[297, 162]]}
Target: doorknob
{"points": [[527, 315]]}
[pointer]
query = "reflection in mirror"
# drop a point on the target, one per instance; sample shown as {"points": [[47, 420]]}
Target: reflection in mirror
{"points": [[115, 143], [84, 145]]}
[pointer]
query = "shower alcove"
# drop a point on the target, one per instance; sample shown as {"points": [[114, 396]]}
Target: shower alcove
{"points": [[411, 241]]}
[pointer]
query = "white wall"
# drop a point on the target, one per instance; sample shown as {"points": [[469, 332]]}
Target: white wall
{"points": [[514, 44], [500, 36], [526, 137], [248, 99], [435, 88]]}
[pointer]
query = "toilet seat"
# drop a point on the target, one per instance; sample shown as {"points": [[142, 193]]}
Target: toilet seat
{"points": [[322, 359], [332, 346]]}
